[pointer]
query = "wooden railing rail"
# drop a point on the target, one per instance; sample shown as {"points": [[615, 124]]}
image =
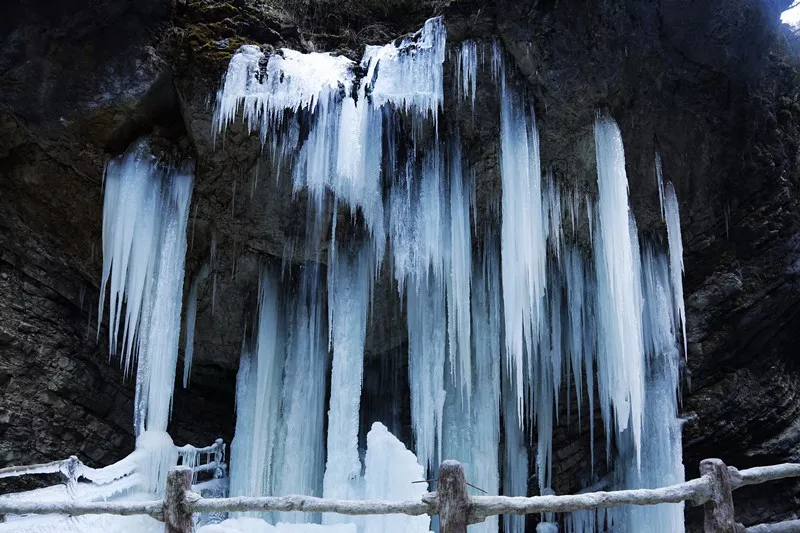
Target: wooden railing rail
{"points": [[455, 507]]}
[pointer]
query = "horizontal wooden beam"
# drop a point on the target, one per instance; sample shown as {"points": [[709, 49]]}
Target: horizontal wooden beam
{"points": [[310, 504], [762, 474], [152, 508], [696, 490], [790, 526]]}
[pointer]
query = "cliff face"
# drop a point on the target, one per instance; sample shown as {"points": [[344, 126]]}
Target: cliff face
{"points": [[711, 85]]}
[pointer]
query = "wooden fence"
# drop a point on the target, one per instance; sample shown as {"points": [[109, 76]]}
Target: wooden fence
{"points": [[455, 507]]}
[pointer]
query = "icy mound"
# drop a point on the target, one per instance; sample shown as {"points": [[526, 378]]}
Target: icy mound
{"points": [[391, 471]]}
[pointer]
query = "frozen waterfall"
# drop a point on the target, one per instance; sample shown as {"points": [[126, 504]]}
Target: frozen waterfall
{"points": [[516, 324], [567, 325]]}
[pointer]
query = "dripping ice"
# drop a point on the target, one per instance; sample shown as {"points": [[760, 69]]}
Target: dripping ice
{"points": [[506, 330]]}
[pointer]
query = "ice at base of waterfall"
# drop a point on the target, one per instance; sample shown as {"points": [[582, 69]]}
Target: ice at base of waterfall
{"points": [[255, 525], [82, 524]]}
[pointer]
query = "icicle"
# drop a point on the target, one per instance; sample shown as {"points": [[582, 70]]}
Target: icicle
{"points": [[620, 358], [590, 214], [671, 212], [676, 257], [163, 319], [660, 185], [145, 217], [419, 225], [191, 319], [552, 214], [576, 286], [426, 358], [523, 233], [498, 65], [467, 71], [349, 280], [459, 257]]}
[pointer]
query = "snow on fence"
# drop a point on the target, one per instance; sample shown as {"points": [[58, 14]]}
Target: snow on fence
{"points": [[72, 468], [104, 483], [455, 507]]}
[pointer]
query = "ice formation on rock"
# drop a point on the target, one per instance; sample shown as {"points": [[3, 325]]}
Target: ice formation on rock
{"points": [[620, 357], [523, 234], [505, 319], [145, 215]]}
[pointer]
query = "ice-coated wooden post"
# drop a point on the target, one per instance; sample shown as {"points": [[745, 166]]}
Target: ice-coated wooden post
{"points": [[719, 516], [176, 519], [454, 499]]}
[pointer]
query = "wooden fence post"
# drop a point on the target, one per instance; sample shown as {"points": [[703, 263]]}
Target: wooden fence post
{"points": [[454, 499], [176, 519], [719, 515]]}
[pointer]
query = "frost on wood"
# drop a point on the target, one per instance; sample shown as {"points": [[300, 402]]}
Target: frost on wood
{"points": [[697, 490]]}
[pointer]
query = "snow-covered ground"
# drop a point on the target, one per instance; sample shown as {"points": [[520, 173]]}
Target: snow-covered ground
{"points": [[791, 16], [255, 525], [84, 524]]}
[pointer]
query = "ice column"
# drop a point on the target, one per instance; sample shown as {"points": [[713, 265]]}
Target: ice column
{"points": [[620, 360], [515, 456], [662, 448], [426, 359], [349, 288], [243, 479], [145, 215], [299, 461], [524, 236], [459, 260], [258, 396], [472, 430]]}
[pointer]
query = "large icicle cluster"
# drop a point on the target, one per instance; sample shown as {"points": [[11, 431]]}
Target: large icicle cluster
{"points": [[145, 216], [504, 317], [556, 317]]}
